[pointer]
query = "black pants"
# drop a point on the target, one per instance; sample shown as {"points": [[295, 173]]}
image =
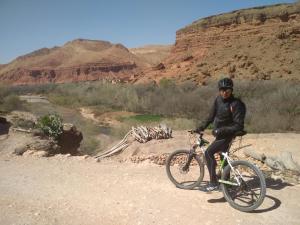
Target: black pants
{"points": [[219, 145]]}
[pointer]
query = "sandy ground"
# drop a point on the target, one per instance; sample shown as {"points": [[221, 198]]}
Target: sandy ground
{"points": [[74, 190]]}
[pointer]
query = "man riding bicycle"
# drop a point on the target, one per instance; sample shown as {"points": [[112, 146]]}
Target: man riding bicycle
{"points": [[227, 115]]}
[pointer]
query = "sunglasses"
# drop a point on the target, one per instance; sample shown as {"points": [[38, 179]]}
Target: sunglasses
{"points": [[225, 89]]}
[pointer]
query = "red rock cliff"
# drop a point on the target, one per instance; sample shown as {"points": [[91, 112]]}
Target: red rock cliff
{"points": [[257, 43]]}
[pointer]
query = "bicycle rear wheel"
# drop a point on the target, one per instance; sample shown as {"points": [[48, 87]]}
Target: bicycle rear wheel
{"points": [[185, 173], [252, 189]]}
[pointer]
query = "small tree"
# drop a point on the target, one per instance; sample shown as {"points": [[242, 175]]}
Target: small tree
{"points": [[51, 125]]}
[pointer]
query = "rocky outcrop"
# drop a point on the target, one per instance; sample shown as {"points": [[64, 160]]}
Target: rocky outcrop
{"points": [[258, 43], [4, 126], [88, 72], [153, 54], [37, 143], [70, 139]]}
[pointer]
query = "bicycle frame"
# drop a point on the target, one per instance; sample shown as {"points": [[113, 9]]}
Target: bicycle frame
{"points": [[201, 143]]}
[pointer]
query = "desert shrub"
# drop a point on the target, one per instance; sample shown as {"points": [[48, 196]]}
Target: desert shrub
{"points": [[24, 123], [142, 118], [180, 123], [167, 83], [37, 89], [90, 145], [120, 131], [51, 125], [11, 102], [272, 106]]}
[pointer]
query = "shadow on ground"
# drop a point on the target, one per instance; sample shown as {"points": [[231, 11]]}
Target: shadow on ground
{"points": [[271, 184]]}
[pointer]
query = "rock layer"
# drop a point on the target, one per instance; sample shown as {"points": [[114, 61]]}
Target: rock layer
{"points": [[78, 60], [88, 72], [257, 43]]}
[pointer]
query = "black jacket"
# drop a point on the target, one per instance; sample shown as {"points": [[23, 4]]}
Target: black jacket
{"points": [[227, 116]]}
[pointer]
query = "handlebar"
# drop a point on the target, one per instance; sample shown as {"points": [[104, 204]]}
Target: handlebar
{"points": [[202, 141]]}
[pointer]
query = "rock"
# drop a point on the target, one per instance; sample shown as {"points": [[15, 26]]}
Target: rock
{"points": [[83, 157], [48, 145], [38, 132], [231, 69], [69, 141], [288, 162], [41, 154], [97, 160], [274, 164], [28, 153], [160, 66], [242, 65], [4, 126], [276, 177], [258, 156], [20, 150], [187, 58]]}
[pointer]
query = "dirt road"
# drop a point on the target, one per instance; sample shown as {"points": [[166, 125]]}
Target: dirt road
{"points": [[73, 190]]}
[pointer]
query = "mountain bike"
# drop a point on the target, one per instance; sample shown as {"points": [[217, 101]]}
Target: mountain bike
{"points": [[242, 183]]}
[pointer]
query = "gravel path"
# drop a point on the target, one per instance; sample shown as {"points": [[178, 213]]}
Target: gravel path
{"points": [[73, 190]]}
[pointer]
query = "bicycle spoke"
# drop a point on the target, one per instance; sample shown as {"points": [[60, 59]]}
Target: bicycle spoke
{"points": [[250, 189], [183, 172]]}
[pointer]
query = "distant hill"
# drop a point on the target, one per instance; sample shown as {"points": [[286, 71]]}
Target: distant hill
{"points": [[261, 43], [77, 60], [152, 54]]}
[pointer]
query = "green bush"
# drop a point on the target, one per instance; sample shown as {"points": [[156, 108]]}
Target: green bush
{"points": [[51, 125]]}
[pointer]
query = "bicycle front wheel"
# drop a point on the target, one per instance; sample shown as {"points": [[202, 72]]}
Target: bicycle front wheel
{"points": [[184, 169], [252, 189]]}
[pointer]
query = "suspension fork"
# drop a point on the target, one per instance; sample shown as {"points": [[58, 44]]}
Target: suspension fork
{"points": [[192, 153]]}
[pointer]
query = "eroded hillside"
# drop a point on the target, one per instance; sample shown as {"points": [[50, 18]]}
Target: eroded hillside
{"points": [[78, 60], [257, 43]]}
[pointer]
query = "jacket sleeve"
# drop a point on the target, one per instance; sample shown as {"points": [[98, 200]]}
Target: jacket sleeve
{"points": [[210, 117], [238, 110]]}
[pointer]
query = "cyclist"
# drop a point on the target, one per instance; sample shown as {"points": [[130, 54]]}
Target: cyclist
{"points": [[227, 116]]}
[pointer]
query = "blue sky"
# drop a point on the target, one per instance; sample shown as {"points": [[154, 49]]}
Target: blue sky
{"points": [[27, 25]]}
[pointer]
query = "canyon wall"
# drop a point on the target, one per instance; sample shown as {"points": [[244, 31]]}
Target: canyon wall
{"points": [[257, 43]]}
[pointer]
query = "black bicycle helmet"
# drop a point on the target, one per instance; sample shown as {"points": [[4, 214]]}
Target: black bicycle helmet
{"points": [[225, 83]]}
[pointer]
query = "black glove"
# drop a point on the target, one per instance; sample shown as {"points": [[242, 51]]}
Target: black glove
{"points": [[215, 132], [218, 132], [199, 130]]}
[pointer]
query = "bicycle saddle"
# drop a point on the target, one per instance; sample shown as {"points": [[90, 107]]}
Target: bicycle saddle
{"points": [[240, 133]]}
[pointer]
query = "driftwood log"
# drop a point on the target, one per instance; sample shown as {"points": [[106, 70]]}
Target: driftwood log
{"points": [[253, 154], [274, 163], [141, 134], [282, 162], [22, 130], [288, 162]]}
